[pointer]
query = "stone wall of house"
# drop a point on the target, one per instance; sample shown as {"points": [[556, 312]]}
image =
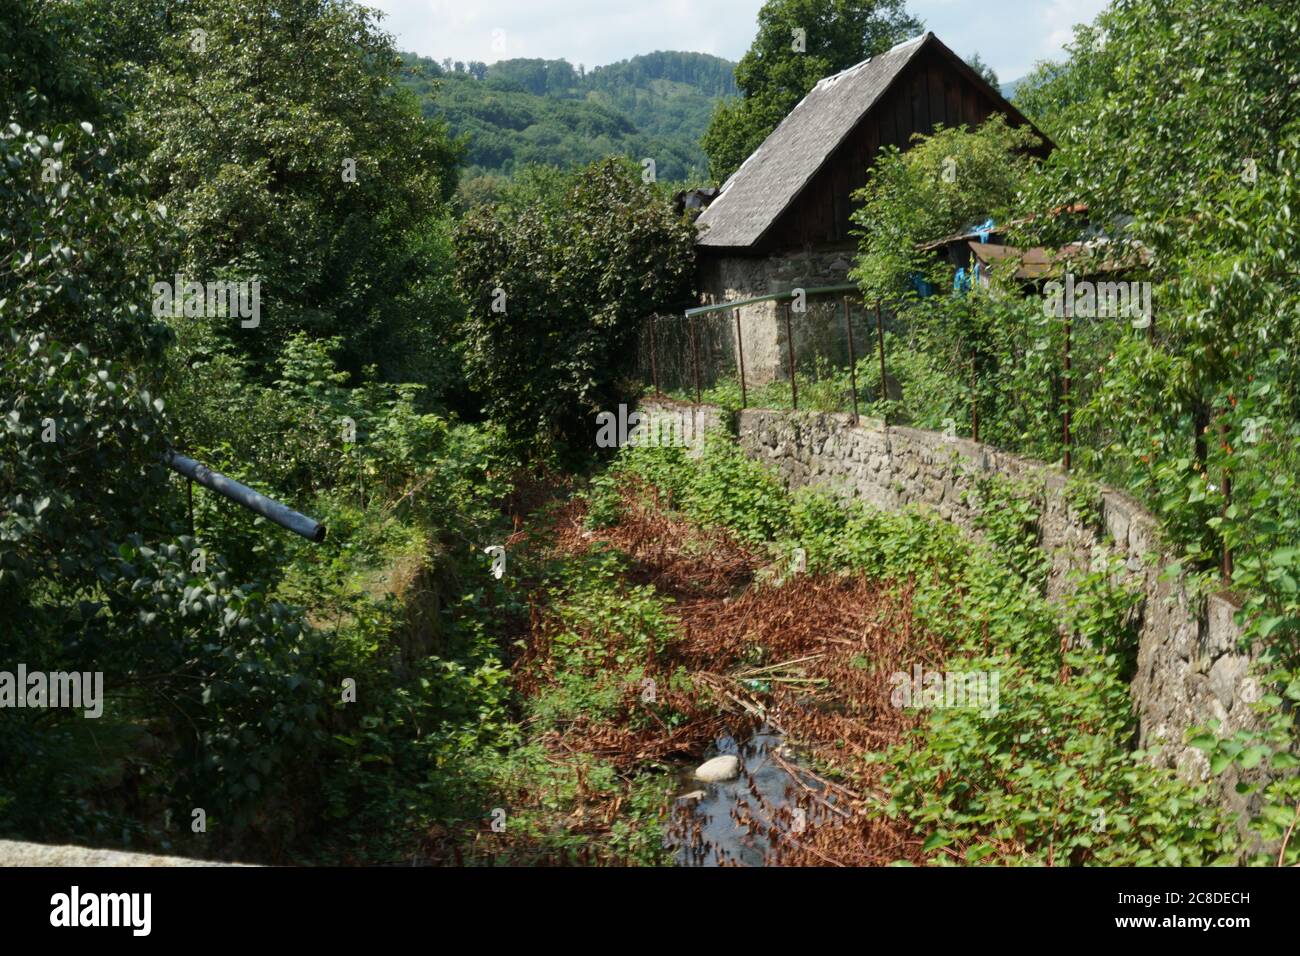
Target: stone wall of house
{"points": [[1189, 668], [819, 331]]}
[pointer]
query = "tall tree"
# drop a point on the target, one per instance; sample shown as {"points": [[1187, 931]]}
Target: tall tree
{"points": [[1062, 97], [976, 63], [798, 43], [284, 154]]}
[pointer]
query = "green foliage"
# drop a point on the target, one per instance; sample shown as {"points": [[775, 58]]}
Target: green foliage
{"points": [[1046, 780], [934, 400], [602, 636], [986, 351], [943, 184], [1212, 395], [306, 430], [1008, 514], [995, 354], [219, 690], [983, 69], [556, 292], [736, 493], [1100, 602], [1168, 67], [129, 155], [605, 633], [1205, 398], [1209, 396], [46, 72], [522, 112], [250, 142], [1084, 497], [78, 431], [726, 490], [80, 240], [1267, 753], [240, 674], [1060, 97], [773, 75], [604, 501], [224, 654]]}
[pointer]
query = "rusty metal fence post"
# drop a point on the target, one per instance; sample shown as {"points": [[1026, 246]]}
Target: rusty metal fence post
{"points": [[740, 355], [654, 366], [1065, 396], [1227, 497], [880, 345], [706, 347], [789, 341], [695, 361], [853, 362]]}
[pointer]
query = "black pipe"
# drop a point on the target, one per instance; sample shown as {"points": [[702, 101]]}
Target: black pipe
{"points": [[243, 495]]}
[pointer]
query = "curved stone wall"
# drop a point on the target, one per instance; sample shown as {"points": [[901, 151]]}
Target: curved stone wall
{"points": [[1190, 669]]}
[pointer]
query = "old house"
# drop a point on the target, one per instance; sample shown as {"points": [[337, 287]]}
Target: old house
{"points": [[782, 220]]}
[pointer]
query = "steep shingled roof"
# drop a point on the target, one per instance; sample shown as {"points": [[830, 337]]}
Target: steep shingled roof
{"points": [[767, 182], [773, 176]]}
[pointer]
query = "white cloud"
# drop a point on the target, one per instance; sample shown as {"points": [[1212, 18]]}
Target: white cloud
{"points": [[1009, 35], [592, 32]]}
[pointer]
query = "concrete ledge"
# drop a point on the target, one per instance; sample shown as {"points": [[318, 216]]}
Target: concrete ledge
{"points": [[14, 853]]}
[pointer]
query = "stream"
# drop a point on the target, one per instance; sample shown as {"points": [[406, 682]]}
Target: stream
{"points": [[704, 830]]}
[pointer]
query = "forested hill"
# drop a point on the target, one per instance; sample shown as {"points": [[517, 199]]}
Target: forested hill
{"points": [[548, 111]]}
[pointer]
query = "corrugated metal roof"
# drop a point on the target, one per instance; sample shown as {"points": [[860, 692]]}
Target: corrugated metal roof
{"points": [[768, 181]]}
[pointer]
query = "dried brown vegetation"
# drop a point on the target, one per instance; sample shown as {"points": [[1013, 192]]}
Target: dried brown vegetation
{"points": [[808, 656]]}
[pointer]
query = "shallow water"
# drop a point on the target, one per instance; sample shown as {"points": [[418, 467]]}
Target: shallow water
{"points": [[704, 831]]}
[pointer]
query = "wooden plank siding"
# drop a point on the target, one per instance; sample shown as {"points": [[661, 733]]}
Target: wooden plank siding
{"points": [[934, 84], [929, 93]]}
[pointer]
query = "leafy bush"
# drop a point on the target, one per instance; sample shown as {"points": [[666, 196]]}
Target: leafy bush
{"points": [[908, 200], [556, 293]]}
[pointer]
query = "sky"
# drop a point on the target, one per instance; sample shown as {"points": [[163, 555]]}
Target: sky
{"points": [[1009, 35]]}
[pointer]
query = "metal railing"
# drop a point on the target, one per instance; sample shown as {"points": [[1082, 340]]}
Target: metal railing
{"points": [[785, 300], [1069, 384]]}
